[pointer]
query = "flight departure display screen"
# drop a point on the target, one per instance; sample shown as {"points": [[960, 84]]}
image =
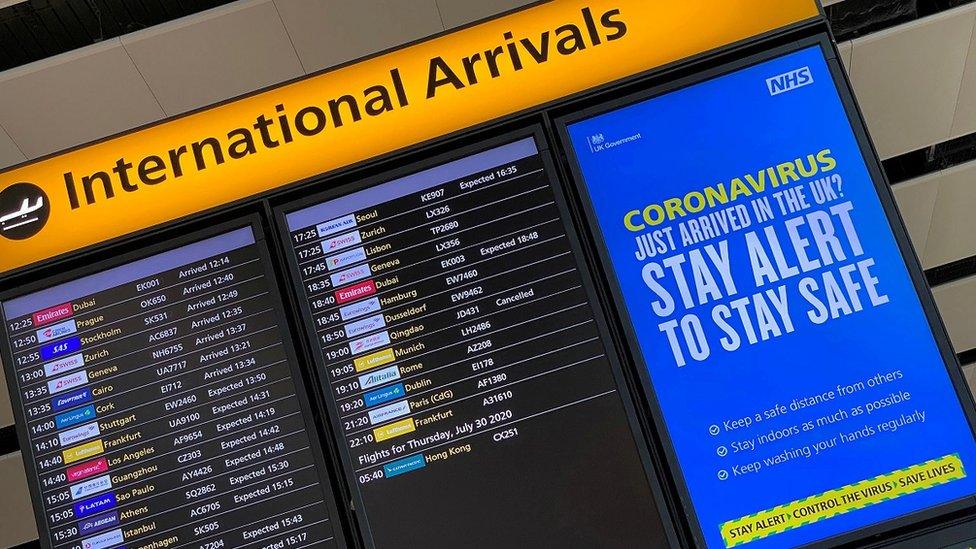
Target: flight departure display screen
{"points": [[161, 408], [785, 343], [471, 391]]}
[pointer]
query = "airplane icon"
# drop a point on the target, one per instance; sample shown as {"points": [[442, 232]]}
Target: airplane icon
{"points": [[21, 217]]}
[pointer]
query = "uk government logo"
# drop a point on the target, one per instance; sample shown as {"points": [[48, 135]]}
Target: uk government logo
{"points": [[599, 143], [24, 209]]}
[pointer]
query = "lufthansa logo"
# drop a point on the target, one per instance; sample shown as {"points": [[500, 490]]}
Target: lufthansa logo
{"points": [[24, 209]]}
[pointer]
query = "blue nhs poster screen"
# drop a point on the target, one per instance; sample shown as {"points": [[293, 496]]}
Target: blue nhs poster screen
{"points": [[798, 377]]}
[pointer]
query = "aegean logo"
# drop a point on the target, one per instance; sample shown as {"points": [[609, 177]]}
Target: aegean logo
{"points": [[789, 81], [598, 142], [24, 209]]}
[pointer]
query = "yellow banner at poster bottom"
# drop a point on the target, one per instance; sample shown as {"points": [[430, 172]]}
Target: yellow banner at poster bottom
{"points": [[842, 500]]}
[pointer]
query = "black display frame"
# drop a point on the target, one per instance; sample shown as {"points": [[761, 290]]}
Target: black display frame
{"points": [[147, 246], [344, 185], [588, 224]]}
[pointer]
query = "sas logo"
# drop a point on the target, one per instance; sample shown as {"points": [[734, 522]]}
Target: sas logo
{"points": [[60, 348], [24, 209], [789, 81]]}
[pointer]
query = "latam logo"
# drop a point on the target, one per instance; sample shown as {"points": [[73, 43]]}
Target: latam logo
{"points": [[67, 382], [74, 417], [69, 400], [350, 275], [374, 322], [355, 292], [79, 434], [359, 309], [91, 487], [53, 314], [87, 469], [101, 541], [101, 522], [337, 243], [95, 505], [64, 365], [789, 81], [345, 258], [369, 342], [336, 225], [67, 327], [60, 348], [379, 377]]}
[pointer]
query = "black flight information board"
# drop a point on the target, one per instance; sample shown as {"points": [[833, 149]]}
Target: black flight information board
{"points": [[159, 399], [463, 365]]}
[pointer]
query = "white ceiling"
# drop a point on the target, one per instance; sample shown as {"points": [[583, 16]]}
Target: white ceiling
{"points": [[324, 34], [225, 52]]}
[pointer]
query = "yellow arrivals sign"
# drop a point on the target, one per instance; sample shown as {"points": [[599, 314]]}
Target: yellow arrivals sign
{"points": [[389, 102]]}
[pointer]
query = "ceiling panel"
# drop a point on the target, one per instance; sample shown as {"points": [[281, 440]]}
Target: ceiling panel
{"points": [[17, 524], [957, 301], [965, 119], [9, 152], [74, 98], [846, 50], [330, 32], [953, 233], [916, 201], [214, 55], [907, 79], [460, 12], [31, 31]]}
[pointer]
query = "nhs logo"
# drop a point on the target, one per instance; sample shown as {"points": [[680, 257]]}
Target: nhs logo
{"points": [[789, 81]]}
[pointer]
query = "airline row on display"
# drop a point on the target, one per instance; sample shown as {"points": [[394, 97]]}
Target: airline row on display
{"points": [[773, 332]]}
